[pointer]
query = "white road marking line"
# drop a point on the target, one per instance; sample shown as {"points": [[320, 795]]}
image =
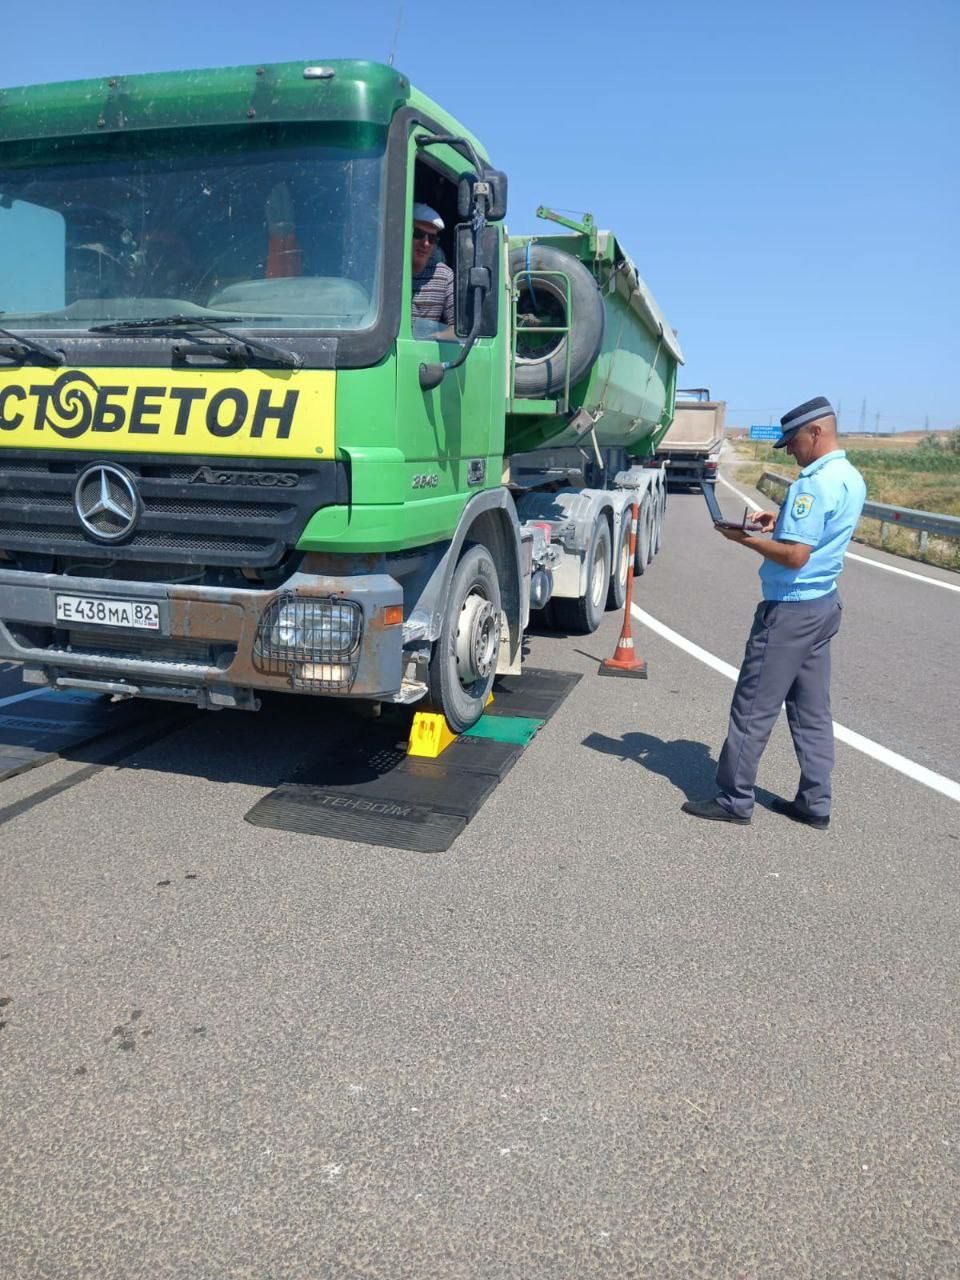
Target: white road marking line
{"points": [[742, 496], [74, 695], [19, 697], [905, 573], [935, 781], [850, 555]]}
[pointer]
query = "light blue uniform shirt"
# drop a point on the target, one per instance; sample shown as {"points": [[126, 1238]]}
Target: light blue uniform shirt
{"points": [[821, 509]]}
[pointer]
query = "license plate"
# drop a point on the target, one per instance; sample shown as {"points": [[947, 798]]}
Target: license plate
{"points": [[140, 615]]}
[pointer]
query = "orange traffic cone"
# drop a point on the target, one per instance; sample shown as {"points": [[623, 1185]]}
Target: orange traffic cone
{"points": [[624, 661]]}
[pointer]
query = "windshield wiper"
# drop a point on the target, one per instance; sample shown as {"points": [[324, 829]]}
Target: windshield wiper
{"points": [[18, 347], [278, 354]]}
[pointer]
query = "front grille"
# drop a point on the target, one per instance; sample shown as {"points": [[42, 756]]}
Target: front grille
{"points": [[123, 650], [219, 510], [206, 546], [196, 511], [175, 651]]}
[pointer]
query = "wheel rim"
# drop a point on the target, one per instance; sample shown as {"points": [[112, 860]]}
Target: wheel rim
{"points": [[624, 561], [475, 649], [643, 541], [598, 587]]}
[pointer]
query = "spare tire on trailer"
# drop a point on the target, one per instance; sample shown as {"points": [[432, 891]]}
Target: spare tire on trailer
{"points": [[542, 357]]}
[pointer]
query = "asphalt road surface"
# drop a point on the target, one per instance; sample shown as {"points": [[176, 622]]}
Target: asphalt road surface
{"points": [[596, 1038]]}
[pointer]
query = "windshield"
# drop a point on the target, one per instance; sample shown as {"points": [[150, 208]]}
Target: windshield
{"points": [[279, 225]]}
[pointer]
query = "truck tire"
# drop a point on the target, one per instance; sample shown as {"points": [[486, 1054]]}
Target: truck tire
{"points": [[582, 616], [658, 523], [644, 536], [621, 563], [541, 358], [464, 659]]}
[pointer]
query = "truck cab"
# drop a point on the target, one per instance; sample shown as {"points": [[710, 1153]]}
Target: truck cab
{"points": [[208, 321], [230, 460]]}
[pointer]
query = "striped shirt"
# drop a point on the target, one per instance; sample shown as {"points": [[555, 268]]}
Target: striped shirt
{"points": [[433, 293]]}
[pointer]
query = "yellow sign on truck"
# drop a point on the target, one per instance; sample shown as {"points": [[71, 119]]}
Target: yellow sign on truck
{"points": [[288, 414]]}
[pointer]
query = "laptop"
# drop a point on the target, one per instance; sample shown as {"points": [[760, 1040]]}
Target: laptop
{"points": [[708, 488]]}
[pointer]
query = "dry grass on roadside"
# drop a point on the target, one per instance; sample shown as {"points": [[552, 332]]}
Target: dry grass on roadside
{"points": [[926, 479], [944, 552], [921, 490], [924, 491], [918, 479]]}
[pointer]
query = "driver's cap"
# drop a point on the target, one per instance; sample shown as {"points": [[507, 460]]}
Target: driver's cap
{"points": [[423, 213]]}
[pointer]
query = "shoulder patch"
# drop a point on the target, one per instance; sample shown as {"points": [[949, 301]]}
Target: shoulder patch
{"points": [[802, 504]]}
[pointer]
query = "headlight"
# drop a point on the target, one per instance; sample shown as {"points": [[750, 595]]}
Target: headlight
{"points": [[316, 642], [316, 627]]}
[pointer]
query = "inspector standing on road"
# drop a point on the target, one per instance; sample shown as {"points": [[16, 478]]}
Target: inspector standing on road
{"points": [[787, 658]]}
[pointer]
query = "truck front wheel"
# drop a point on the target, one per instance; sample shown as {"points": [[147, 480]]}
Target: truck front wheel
{"points": [[464, 659]]}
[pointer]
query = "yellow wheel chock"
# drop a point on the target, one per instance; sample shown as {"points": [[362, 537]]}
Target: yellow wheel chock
{"points": [[430, 734]]}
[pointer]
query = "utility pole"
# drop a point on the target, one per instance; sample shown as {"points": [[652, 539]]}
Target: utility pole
{"points": [[926, 424], [876, 425], [863, 416]]}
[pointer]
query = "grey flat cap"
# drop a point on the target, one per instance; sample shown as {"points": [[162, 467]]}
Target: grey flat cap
{"points": [[809, 411]]}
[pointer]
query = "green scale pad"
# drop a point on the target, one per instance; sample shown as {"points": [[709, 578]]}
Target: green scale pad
{"points": [[516, 729]]}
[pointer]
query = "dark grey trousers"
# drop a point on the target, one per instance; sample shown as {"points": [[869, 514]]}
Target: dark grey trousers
{"points": [[787, 659]]}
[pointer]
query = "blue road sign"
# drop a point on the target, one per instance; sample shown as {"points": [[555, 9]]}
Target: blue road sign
{"points": [[764, 433]]}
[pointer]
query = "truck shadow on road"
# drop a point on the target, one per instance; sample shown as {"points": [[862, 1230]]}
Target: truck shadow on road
{"points": [[689, 765], [259, 750]]}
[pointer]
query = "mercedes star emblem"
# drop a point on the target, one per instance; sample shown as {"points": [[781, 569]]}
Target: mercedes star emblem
{"points": [[107, 502]]}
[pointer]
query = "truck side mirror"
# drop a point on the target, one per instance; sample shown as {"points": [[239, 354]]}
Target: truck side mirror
{"points": [[465, 195], [495, 182], [469, 277], [496, 179]]}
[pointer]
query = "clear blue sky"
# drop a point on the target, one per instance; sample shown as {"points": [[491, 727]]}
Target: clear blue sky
{"points": [[786, 177]]}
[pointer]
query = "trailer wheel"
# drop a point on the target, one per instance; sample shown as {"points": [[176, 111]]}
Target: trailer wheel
{"points": [[583, 615], [661, 507], [464, 659], [621, 563], [542, 357], [644, 537]]}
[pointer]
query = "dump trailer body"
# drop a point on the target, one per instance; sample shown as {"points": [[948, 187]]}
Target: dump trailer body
{"points": [[626, 399]]}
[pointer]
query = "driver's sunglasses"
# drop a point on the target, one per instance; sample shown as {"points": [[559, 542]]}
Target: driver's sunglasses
{"points": [[431, 237]]}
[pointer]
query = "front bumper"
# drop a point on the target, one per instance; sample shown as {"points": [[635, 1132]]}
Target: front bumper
{"points": [[207, 649]]}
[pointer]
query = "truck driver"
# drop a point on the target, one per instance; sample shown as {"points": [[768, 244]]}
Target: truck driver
{"points": [[432, 291]]}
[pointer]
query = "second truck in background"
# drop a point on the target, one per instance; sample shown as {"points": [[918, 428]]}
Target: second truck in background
{"points": [[691, 448]]}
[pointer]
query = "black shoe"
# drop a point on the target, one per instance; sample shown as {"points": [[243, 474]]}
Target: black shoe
{"points": [[789, 809], [714, 811]]}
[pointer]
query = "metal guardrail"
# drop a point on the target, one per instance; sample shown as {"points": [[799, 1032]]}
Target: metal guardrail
{"points": [[926, 522]]}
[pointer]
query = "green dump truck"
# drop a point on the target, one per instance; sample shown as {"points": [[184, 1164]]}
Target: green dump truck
{"points": [[230, 459]]}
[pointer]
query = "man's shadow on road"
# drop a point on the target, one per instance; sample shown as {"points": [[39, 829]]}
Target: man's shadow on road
{"points": [[689, 765]]}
